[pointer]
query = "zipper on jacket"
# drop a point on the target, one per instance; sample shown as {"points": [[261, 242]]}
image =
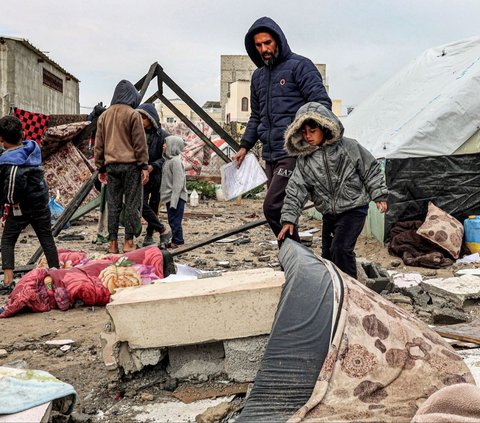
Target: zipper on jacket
{"points": [[269, 139], [329, 178]]}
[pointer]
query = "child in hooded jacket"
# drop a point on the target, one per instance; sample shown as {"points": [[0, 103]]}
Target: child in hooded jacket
{"points": [[338, 175], [23, 195], [173, 191]]}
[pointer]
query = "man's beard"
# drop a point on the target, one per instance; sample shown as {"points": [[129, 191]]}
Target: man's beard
{"points": [[271, 60]]}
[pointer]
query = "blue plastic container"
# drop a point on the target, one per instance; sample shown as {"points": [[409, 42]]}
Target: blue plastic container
{"points": [[472, 233]]}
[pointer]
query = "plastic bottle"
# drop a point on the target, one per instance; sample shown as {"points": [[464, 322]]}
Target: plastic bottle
{"points": [[194, 199]]}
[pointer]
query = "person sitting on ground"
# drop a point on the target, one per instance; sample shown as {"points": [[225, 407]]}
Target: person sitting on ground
{"points": [[23, 194], [151, 191], [173, 191], [121, 157], [338, 175]]}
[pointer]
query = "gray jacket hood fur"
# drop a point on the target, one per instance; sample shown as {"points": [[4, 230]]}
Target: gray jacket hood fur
{"points": [[294, 142]]}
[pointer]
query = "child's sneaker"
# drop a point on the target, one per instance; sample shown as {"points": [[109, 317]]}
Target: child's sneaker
{"points": [[165, 236], [100, 240]]}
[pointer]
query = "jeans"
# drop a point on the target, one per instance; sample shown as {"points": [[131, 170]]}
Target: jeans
{"points": [[175, 217]]}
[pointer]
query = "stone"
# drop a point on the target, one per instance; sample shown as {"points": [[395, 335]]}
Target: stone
{"points": [[235, 305], [135, 360], [214, 414], [418, 295], [448, 316], [54, 343], [264, 259], [455, 290], [196, 361], [398, 298], [225, 264], [3, 353], [395, 263], [144, 396], [243, 357]]}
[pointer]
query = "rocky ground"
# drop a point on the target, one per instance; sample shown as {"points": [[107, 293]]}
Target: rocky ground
{"points": [[100, 395]]}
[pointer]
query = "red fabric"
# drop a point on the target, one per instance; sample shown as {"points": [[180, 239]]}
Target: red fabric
{"points": [[30, 292], [33, 124], [69, 285]]}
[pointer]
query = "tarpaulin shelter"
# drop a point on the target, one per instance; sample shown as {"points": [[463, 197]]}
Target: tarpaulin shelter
{"points": [[424, 123]]}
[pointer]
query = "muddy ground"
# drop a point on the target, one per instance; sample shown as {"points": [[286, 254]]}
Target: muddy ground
{"points": [[99, 394]]}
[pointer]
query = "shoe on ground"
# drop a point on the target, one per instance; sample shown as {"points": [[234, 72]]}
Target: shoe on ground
{"points": [[148, 240], [100, 240], [174, 245], [165, 236]]}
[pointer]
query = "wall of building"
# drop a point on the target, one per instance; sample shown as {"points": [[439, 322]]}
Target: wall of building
{"points": [[25, 87], [233, 68], [233, 108], [167, 116]]}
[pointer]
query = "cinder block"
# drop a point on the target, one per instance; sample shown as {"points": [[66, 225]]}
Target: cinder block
{"points": [[243, 357], [235, 305], [196, 361]]}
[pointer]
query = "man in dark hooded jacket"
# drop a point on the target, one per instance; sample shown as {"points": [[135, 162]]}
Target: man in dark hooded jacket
{"points": [[151, 191], [121, 156], [283, 82]]}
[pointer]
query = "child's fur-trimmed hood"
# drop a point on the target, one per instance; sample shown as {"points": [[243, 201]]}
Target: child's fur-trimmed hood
{"points": [[294, 141]]}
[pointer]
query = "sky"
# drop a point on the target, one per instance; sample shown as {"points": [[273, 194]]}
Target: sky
{"points": [[362, 42]]}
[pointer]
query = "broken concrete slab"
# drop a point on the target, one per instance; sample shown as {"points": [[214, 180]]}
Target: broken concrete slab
{"points": [[243, 357], [448, 316], [196, 361], [234, 305], [135, 360], [455, 290]]}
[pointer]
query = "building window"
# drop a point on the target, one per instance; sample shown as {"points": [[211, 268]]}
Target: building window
{"points": [[244, 104], [52, 81], [170, 120], [228, 117]]}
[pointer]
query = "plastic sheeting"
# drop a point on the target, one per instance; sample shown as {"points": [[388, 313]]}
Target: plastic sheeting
{"points": [[299, 341], [450, 182], [429, 108]]}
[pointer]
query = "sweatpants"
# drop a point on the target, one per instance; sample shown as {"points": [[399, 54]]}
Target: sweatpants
{"points": [[151, 203], [278, 174], [123, 180], [40, 221], [175, 217], [339, 236]]}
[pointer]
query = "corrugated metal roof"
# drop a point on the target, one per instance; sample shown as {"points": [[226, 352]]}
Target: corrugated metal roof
{"points": [[30, 46]]}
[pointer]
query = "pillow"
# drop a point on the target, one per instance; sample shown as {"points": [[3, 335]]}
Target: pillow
{"points": [[443, 230]]}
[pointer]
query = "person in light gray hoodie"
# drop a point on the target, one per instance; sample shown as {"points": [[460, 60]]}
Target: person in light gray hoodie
{"points": [[338, 175], [173, 190]]}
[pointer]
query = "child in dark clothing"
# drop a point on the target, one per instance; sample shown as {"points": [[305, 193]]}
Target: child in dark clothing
{"points": [[339, 175], [23, 195]]}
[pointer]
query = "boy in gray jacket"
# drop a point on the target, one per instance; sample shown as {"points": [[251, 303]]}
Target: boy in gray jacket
{"points": [[338, 175], [173, 190]]}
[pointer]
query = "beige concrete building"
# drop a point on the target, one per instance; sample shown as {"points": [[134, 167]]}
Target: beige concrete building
{"points": [[237, 107], [212, 108], [30, 80]]}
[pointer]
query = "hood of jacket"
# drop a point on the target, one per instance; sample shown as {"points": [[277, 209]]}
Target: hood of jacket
{"points": [[28, 154], [294, 141], [126, 93], [266, 24], [149, 110], [175, 146]]}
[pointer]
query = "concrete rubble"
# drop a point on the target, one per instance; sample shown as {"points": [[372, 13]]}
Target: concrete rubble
{"points": [[207, 328]]}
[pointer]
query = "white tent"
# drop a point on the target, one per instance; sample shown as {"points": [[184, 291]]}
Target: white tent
{"points": [[430, 108]]}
